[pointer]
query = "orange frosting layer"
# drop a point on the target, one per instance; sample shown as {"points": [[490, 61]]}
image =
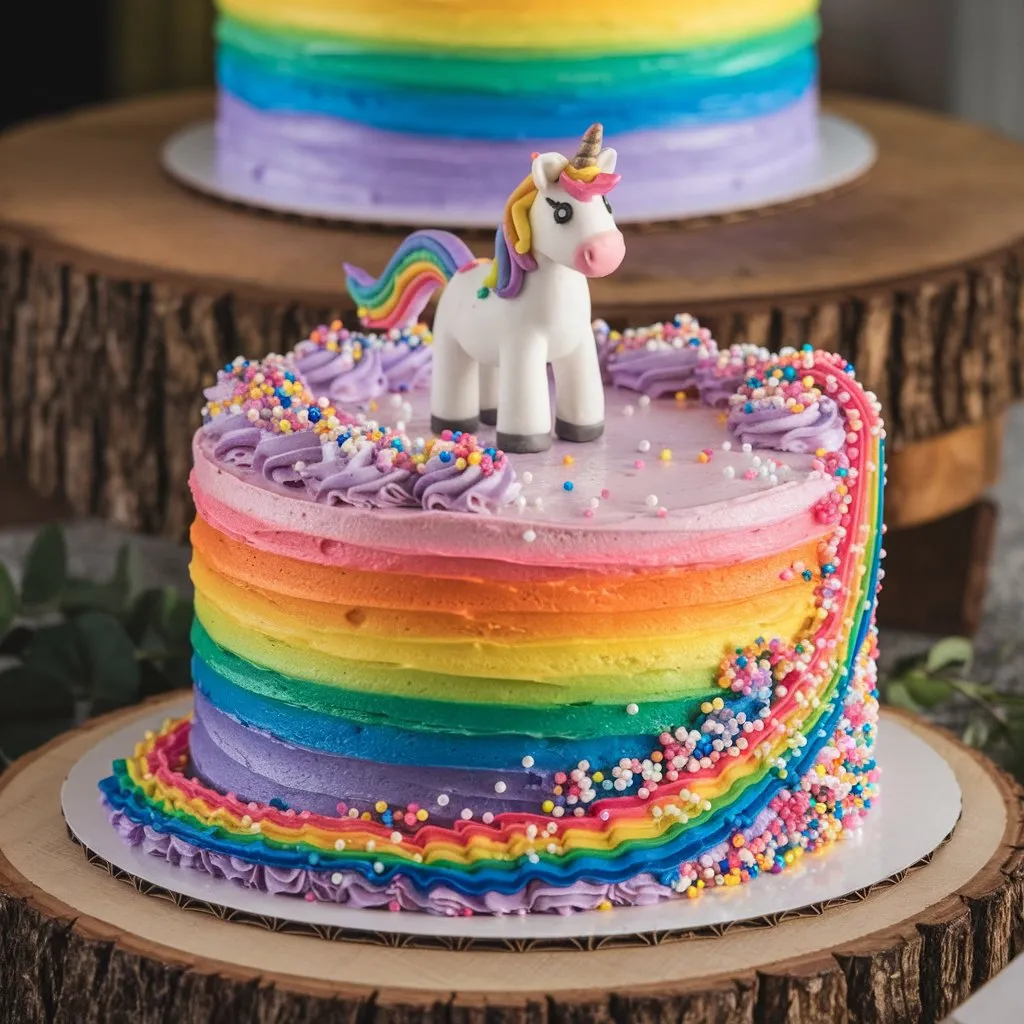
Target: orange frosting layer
{"points": [[597, 593]]}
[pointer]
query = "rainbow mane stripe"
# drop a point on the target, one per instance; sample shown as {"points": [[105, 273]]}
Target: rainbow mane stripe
{"points": [[423, 263]]}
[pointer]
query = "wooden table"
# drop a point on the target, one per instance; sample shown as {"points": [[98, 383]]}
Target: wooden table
{"points": [[77, 944], [121, 293]]}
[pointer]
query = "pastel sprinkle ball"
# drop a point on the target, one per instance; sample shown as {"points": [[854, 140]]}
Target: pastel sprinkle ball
{"points": [[271, 396], [335, 337]]}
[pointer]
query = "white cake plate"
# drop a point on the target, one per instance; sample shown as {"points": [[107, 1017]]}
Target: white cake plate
{"points": [[846, 152], [917, 811]]}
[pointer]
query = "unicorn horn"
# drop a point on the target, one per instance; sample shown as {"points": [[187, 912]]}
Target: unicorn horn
{"points": [[590, 146]]}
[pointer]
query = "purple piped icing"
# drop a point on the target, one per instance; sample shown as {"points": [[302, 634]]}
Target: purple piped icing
{"points": [[774, 426], [720, 376], [350, 888], [364, 478], [442, 486], [236, 440], [658, 360], [406, 366], [279, 457], [657, 370], [351, 376]]}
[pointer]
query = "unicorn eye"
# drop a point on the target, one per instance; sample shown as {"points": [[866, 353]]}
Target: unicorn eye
{"points": [[607, 205], [563, 211]]}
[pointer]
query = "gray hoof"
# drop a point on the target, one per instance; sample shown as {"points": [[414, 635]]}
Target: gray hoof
{"points": [[489, 416], [522, 443], [439, 423], [574, 432]]}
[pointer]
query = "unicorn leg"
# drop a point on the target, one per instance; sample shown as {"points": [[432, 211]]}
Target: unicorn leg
{"points": [[489, 394], [579, 394], [454, 386], [524, 406]]}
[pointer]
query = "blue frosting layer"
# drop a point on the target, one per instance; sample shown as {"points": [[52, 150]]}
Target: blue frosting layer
{"points": [[332, 734], [496, 116]]}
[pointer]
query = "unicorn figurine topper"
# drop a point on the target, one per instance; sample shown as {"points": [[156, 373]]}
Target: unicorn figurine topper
{"points": [[501, 322]]}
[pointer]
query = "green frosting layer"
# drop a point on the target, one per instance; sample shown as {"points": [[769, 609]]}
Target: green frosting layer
{"points": [[566, 721]]}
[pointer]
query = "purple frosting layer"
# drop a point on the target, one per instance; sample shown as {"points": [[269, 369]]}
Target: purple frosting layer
{"points": [[310, 157], [258, 767], [351, 889], [777, 428]]}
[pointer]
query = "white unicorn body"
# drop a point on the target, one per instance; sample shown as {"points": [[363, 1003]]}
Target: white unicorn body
{"points": [[498, 326]]}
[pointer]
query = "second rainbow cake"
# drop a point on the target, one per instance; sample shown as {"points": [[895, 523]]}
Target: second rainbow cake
{"points": [[433, 676]]}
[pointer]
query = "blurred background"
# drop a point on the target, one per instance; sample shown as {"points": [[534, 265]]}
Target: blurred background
{"points": [[958, 56]]}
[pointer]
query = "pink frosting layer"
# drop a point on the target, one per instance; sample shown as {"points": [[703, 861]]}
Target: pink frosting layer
{"points": [[383, 540], [657, 489]]}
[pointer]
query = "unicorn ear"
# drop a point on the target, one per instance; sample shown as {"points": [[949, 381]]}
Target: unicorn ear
{"points": [[547, 168], [606, 160]]}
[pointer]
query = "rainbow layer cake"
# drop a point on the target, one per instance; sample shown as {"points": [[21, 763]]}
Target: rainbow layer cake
{"points": [[433, 676], [397, 105]]}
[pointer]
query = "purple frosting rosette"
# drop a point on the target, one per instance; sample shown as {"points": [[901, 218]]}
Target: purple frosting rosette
{"points": [[340, 376], [364, 478], [657, 369], [406, 366], [443, 486], [719, 377], [235, 439], [769, 423], [277, 456]]}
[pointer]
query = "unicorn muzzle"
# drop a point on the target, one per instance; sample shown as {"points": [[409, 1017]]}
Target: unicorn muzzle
{"points": [[601, 254]]}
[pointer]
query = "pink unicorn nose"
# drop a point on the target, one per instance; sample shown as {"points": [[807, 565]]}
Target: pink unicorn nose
{"points": [[600, 255]]}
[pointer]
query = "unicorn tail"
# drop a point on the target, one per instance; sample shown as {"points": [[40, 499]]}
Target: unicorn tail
{"points": [[423, 263]]}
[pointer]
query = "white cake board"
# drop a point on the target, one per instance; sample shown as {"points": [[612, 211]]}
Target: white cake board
{"points": [[846, 152], [917, 811]]}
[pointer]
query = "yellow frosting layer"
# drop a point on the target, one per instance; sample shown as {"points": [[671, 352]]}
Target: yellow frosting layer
{"points": [[606, 26]]}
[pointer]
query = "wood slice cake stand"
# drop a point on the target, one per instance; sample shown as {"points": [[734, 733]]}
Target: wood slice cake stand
{"points": [[78, 945]]}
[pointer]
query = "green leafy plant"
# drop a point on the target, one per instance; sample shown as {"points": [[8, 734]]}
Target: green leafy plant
{"points": [[994, 718], [73, 647]]}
